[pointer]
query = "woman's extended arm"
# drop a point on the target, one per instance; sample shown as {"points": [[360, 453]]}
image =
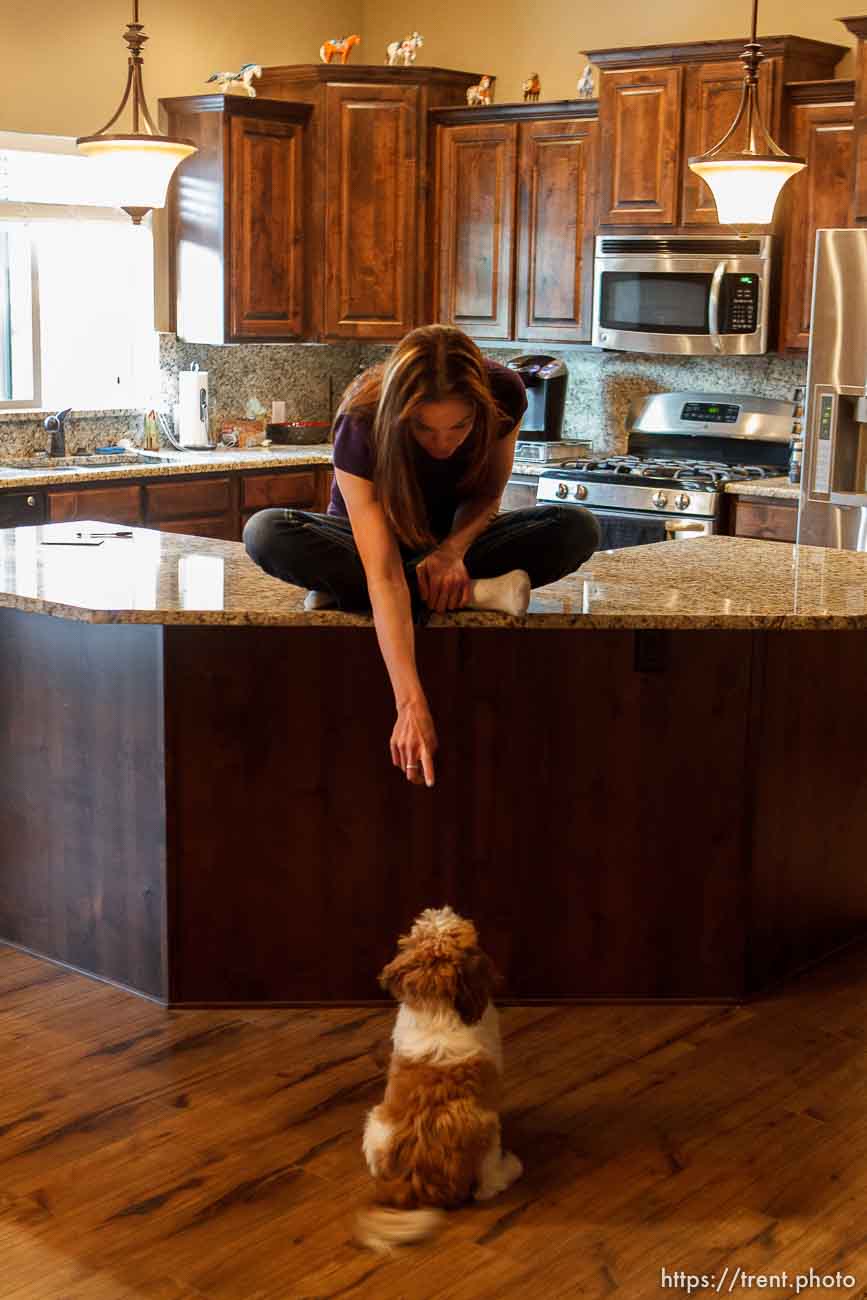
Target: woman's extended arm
{"points": [[413, 740]]}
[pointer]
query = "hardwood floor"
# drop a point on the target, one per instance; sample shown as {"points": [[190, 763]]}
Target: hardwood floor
{"points": [[207, 1155]]}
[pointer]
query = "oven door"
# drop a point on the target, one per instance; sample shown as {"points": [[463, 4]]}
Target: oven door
{"points": [[639, 527], [681, 305]]}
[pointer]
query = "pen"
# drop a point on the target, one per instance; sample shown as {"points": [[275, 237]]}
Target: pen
{"points": [[123, 532]]}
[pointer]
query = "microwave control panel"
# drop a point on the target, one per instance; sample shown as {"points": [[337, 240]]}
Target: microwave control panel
{"points": [[739, 304]]}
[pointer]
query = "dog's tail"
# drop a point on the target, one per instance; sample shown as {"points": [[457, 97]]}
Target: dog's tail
{"points": [[382, 1227]]}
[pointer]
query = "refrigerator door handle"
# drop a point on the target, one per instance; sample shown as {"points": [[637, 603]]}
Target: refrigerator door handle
{"points": [[713, 305]]}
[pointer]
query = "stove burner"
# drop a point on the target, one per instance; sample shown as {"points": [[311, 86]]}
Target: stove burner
{"points": [[699, 474]]}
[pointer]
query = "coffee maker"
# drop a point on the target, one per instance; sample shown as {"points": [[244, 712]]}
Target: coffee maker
{"points": [[545, 379]]}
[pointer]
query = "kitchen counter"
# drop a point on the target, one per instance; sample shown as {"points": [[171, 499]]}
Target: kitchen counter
{"points": [[707, 582], [175, 462], [765, 487], [197, 797]]}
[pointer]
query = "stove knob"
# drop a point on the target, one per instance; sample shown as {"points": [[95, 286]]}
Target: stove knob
{"points": [[681, 500], [562, 490], [580, 491], [660, 500]]}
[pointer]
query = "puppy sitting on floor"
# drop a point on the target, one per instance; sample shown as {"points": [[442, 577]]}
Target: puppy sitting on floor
{"points": [[434, 1141]]}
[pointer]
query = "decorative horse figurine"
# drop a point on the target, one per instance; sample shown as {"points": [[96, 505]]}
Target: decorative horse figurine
{"points": [[482, 93], [242, 79], [404, 52], [344, 47], [532, 88], [585, 85]]}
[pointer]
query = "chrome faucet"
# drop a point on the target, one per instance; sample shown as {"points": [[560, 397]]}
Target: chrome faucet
{"points": [[54, 426]]}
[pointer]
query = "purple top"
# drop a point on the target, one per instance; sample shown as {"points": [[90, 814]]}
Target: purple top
{"points": [[438, 479]]}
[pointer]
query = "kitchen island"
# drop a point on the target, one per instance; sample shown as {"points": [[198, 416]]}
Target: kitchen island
{"points": [[659, 795]]}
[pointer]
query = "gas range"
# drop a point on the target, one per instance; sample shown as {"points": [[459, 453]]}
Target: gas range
{"points": [[683, 449]]}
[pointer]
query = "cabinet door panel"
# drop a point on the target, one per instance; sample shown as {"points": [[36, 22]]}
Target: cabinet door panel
{"points": [[818, 197], [712, 94], [556, 218], [114, 505], [222, 527], [261, 491], [371, 211], [773, 521], [203, 496], [475, 227], [639, 117], [265, 234]]}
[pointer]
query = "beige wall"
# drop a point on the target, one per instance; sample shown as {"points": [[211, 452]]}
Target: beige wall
{"points": [[513, 38], [64, 61]]}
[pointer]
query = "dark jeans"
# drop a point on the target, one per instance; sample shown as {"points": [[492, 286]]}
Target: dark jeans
{"points": [[319, 551]]}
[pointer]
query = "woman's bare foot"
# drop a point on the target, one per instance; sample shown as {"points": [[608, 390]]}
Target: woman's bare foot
{"points": [[509, 594]]}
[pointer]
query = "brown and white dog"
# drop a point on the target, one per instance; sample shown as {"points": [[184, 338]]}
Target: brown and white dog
{"points": [[434, 1141]]}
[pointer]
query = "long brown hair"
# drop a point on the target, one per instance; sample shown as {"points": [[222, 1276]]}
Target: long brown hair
{"points": [[430, 364]]}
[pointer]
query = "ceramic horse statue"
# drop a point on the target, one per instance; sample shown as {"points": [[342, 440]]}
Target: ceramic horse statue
{"points": [[343, 47], [404, 52], [242, 79]]}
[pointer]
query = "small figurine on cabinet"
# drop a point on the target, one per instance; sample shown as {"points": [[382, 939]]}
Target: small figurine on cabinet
{"points": [[532, 88], [585, 84], [343, 47], [482, 93], [403, 52], [240, 81]]}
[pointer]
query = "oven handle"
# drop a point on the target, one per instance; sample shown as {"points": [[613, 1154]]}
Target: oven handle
{"points": [[713, 304]]}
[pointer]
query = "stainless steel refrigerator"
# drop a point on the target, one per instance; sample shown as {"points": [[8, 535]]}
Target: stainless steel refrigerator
{"points": [[833, 503]]}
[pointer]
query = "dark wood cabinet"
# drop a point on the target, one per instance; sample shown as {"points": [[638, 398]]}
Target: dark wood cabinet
{"points": [[18, 509], [712, 94], [266, 255], [858, 208], [115, 504], [371, 210], [821, 130], [514, 215], [556, 220], [475, 188], [205, 505], [236, 219], [639, 116], [660, 105]]}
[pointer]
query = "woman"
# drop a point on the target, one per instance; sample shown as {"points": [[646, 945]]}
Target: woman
{"points": [[423, 447]]}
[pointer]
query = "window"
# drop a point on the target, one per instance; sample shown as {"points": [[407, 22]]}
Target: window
{"points": [[76, 285]]}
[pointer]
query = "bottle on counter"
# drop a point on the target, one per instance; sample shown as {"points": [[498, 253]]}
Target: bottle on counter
{"points": [[796, 457]]}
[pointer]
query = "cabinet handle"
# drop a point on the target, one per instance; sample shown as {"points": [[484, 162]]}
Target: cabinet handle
{"points": [[31, 501]]}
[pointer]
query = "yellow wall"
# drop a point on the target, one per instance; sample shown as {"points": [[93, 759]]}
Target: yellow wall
{"points": [[63, 62], [512, 38]]}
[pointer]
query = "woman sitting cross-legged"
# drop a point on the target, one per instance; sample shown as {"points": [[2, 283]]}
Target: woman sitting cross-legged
{"points": [[423, 447]]}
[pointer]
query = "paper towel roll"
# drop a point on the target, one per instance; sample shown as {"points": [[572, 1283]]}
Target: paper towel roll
{"points": [[193, 424]]}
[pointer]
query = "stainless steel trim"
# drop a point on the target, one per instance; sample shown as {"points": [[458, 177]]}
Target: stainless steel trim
{"points": [[621, 495], [763, 418], [708, 526], [713, 305]]}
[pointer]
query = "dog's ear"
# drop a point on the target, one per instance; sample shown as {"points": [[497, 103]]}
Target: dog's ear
{"points": [[413, 977], [477, 978]]}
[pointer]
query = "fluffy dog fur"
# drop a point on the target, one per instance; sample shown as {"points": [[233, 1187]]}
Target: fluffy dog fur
{"points": [[434, 1140]]}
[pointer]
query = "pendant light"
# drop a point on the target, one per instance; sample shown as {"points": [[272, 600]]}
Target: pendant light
{"points": [[746, 183], [141, 164]]}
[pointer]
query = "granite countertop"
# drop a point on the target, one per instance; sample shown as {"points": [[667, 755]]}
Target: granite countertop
{"points": [[765, 487], [706, 582], [171, 462]]}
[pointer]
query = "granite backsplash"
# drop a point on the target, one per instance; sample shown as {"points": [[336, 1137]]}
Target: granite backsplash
{"points": [[310, 378]]}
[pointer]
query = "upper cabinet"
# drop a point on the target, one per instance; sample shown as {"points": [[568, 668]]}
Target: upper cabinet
{"points": [[303, 213], [513, 213], [639, 119], [236, 219], [858, 213], [820, 118], [660, 105]]}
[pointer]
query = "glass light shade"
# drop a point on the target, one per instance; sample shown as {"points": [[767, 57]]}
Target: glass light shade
{"points": [[137, 168], [746, 187]]}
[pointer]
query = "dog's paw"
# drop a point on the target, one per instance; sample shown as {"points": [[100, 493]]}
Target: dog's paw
{"points": [[512, 1167]]}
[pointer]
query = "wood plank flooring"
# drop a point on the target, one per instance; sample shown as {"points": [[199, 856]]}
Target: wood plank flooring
{"points": [[215, 1155]]}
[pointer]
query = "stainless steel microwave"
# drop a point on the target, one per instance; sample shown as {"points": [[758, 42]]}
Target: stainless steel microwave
{"points": [[696, 295]]}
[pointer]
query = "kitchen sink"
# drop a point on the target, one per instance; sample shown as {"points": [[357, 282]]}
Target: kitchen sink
{"points": [[84, 461]]}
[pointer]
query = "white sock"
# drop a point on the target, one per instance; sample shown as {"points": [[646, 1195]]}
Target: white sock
{"points": [[319, 600], [509, 593]]}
